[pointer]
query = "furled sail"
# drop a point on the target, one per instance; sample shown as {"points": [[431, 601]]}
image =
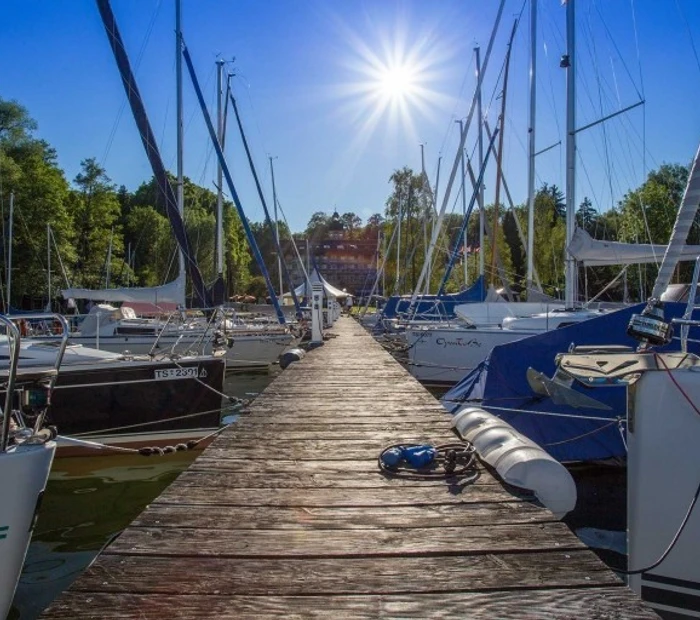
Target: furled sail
{"points": [[172, 292], [595, 253]]}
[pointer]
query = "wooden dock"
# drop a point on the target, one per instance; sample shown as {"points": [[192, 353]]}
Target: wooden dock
{"points": [[287, 515]]}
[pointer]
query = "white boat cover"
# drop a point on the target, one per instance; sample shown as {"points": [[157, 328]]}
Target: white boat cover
{"points": [[173, 292], [594, 252]]}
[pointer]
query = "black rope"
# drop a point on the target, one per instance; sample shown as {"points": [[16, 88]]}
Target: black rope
{"points": [[671, 545]]}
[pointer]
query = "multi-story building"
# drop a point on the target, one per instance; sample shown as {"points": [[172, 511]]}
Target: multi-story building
{"points": [[345, 259]]}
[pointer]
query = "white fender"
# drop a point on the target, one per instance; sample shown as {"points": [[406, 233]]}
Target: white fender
{"points": [[518, 460]]}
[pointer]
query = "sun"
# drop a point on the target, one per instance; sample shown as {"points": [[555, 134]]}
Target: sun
{"points": [[398, 82]]}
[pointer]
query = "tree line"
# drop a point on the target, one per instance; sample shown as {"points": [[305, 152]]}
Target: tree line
{"points": [[99, 234], [644, 215]]}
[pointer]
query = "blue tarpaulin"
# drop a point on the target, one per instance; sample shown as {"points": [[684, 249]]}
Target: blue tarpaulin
{"points": [[499, 385], [435, 305]]}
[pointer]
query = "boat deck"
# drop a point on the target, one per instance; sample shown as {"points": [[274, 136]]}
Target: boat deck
{"points": [[287, 515]]}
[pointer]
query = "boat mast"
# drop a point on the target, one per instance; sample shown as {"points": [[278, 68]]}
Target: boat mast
{"points": [[569, 63], [180, 138], [277, 224], [477, 52], [48, 264], [219, 173], [9, 254], [531, 149], [398, 248], [424, 179], [108, 266], [455, 164], [464, 205]]}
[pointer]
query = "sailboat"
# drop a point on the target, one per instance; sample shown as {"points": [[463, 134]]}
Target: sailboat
{"points": [[444, 354], [116, 330], [662, 430], [26, 454]]}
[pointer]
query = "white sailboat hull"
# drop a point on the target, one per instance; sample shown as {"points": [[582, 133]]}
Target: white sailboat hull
{"points": [[662, 473], [442, 356], [24, 470], [248, 350]]}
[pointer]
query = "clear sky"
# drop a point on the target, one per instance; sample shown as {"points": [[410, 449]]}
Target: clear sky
{"points": [[341, 93]]}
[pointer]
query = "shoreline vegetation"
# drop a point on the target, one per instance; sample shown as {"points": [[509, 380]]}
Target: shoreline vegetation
{"points": [[92, 218]]}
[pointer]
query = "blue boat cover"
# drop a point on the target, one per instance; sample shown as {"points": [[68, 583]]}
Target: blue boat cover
{"points": [[499, 385], [435, 306]]}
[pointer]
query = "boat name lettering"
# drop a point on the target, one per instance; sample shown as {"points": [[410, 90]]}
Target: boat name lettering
{"points": [[3, 531], [457, 342], [177, 373]]}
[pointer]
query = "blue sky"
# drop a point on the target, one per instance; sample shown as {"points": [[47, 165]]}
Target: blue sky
{"points": [[311, 82]]}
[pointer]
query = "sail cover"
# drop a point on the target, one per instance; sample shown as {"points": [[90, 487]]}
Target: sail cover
{"points": [[173, 292], [499, 385], [595, 253]]}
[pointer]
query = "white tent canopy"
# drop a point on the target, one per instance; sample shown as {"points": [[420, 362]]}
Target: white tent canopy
{"points": [[329, 290], [594, 253]]}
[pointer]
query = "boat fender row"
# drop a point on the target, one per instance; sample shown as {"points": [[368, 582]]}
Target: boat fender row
{"points": [[291, 356], [156, 450], [517, 460]]}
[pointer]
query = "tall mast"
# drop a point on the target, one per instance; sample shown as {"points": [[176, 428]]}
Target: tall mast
{"points": [[499, 167], [277, 223], [531, 149], [108, 266], [398, 249], [477, 52], [9, 253], [569, 63], [219, 172], [464, 204], [48, 263], [424, 180], [180, 136]]}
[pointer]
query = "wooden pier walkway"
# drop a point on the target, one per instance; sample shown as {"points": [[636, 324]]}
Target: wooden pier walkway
{"points": [[286, 515]]}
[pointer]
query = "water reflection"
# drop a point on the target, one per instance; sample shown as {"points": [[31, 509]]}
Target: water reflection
{"points": [[89, 500]]}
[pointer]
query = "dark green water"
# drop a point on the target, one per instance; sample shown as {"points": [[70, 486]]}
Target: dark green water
{"points": [[88, 501]]}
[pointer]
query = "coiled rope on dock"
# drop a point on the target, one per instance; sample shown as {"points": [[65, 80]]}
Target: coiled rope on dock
{"points": [[426, 462]]}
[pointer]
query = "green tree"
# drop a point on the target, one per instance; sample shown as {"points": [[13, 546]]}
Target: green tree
{"points": [[200, 226], [409, 206], [351, 223], [647, 215], [153, 247], [95, 209], [317, 226], [28, 169], [587, 216]]}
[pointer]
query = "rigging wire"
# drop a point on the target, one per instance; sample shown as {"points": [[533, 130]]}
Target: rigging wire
{"points": [[690, 34], [137, 64]]}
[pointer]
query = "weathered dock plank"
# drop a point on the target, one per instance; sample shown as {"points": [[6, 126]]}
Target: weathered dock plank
{"points": [[352, 576], [538, 604], [287, 515]]}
